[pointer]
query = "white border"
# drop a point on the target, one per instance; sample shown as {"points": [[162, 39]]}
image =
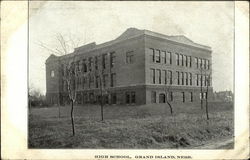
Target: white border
{"points": [[14, 94]]}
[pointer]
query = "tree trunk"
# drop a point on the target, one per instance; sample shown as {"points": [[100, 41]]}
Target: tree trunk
{"points": [[207, 110], [201, 94], [201, 102], [102, 107], [72, 117], [171, 109], [207, 104], [59, 113]]}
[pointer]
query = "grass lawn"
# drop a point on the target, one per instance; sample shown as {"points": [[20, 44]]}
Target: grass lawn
{"points": [[129, 127]]}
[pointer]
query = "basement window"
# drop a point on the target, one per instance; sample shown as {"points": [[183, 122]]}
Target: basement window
{"points": [[52, 73]]}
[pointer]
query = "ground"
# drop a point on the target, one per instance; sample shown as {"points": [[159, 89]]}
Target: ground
{"points": [[149, 126]]}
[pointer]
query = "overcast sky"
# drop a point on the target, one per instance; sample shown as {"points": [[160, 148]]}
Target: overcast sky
{"points": [[208, 23]]}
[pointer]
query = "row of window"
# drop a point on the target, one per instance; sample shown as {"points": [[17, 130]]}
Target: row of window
{"points": [[202, 63], [88, 64], [186, 97], [91, 98], [162, 97], [184, 78], [183, 60], [203, 80], [130, 98], [160, 56], [84, 82], [158, 76]]}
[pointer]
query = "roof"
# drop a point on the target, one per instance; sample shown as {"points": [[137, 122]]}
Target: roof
{"points": [[134, 32]]}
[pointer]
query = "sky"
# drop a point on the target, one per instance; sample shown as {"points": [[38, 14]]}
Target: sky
{"points": [[207, 23]]}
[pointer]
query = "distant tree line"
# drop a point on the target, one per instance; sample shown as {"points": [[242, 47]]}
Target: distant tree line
{"points": [[36, 99]]}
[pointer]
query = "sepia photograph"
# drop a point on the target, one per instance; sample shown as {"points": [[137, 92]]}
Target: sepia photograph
{"points": [[134, 75], [97, 80]]}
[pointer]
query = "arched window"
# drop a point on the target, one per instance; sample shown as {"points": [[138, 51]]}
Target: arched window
{"points": [[162, 98]]}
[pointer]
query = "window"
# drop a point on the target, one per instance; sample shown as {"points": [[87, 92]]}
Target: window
{"points": [[62, 69], [152, 76], [78, 66], [205, 64], [78, 84], [201, 95], [91, 97], [196, 62], [162, 98], [83, 82], [169, 58], [105, 78], [191, 96], [178, 77], [96, 62], [208, 65], [190, 61], [205, 95], [113, 98], [112, 59], [65, 86], [171, 98], [182, 78], [157, 56], [104, 61], [185, 59], [203, 80], [170, 77], [164, 58], [177, 59], [90, 63], [91, 80], [106, 99], [165, 76], [127, 97], [199, 63], [197, 79], [130, 57], [152, 54], [208, 81], [113, 80], [181, 59], [84, 65], [153, 97], [52, 73], [97, 81], [158, 75], [186, 76], [190, 79], [132, 97], [183, 96]]}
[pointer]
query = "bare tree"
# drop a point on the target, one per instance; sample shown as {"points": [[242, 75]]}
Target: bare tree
{"points": [[208, 83], [101, 84], [168, 92], [71, 70], [102, 91], [205, 76]]}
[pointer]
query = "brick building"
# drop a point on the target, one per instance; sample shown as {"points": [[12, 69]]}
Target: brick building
{"points": [[139, 67]]}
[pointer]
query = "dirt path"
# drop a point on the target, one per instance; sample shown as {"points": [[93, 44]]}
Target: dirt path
{"points": [[224, 143]]}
